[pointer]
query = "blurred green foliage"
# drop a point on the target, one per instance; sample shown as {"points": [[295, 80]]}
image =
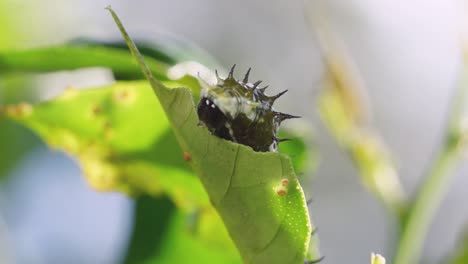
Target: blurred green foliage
{"points": [[164, 235], [18, 141], [9, 34], [344, 114], [344, 111], [13, 88]]}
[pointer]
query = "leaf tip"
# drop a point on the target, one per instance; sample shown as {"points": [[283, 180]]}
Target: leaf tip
{"points": [[108, 8]]}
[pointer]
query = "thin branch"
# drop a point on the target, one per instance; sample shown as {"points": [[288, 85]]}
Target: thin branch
{"points": [[432, 191]]}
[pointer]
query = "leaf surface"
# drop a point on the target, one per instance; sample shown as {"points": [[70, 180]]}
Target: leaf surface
{"points": [[121, 138], [267, 219], [163, 234]]}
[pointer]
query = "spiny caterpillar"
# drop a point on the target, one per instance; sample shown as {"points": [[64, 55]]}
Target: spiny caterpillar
{"points": [[240, 111]]}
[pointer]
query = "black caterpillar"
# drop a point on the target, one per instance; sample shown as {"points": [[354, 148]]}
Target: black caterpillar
{"points": [[240, 111]]}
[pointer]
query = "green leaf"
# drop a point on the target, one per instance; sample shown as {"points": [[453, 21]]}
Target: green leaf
{"points": [[121, 138], [163, 234], [74, 56], [183, 244], [14, 139], [151, 219], [87, 53], [256, 194], [15, 142], [153, 50]]}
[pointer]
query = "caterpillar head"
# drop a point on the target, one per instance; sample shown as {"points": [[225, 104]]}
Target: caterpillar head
{"points": [[240, 111]]}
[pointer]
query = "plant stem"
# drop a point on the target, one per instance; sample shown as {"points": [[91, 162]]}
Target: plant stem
{"points": [[424, 207], [417, 222]]}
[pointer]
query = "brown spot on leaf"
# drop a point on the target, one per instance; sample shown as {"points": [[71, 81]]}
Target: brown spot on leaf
{"points": [[123, 95], [97, 109], [20, 110], [187, 156], [281, 191]]}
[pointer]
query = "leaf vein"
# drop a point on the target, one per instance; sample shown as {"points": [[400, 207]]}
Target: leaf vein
{"points": [[232, 174]]}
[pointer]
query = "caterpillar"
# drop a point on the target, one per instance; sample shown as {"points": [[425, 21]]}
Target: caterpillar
{"points": [[240, 111]]}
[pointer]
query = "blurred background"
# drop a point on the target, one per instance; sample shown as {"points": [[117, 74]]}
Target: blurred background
{"points": [[408, 53]]}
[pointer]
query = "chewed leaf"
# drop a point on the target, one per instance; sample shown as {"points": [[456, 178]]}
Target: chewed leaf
{"points": [[120, 137], [256, 194]]}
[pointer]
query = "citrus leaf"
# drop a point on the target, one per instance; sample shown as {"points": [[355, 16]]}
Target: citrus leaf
{"points": [[256, 194], [121, 138]]}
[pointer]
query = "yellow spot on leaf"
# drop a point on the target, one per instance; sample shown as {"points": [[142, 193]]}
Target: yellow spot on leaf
{"points": [[19, 110], [100, 175], [124, 95]]}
